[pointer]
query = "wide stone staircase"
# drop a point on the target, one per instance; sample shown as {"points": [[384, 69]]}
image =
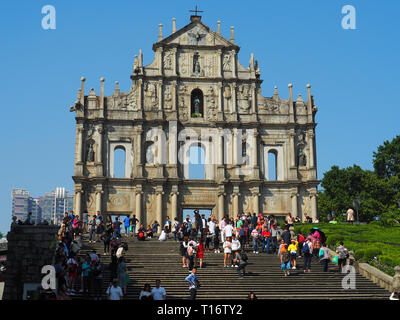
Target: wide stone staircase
{"points": [[152, 259]]}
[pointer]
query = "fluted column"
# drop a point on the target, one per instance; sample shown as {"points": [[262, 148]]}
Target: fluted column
{"points": [[98, 199], [292, 151], [160, 95], [100, 143], [234, 147], [138, 204], [221, 202], [138, 152], [235, 200], [159, 208], [219, 64], [313, 199], [310, 142], [174, 203], [294, 196], [78, 203], [256, 205], [79, 147], [253, 99]]}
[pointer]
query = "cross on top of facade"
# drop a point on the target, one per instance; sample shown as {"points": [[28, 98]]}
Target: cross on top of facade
{"points": [[195, 10]]}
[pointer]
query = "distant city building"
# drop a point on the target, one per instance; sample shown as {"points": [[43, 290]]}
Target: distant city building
{"points": [[50, 207], [23, 203], [55, 204]]}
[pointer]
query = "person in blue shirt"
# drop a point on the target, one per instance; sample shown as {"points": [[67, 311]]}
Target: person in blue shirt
{"points": [[167, 224], [127, 223], [155, 226], [193, 283]]}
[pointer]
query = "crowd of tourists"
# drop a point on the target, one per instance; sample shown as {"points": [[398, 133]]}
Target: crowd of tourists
{"points": [[231, 236]]}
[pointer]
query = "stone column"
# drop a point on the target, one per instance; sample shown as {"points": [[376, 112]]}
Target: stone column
{"points": [[140, 89], [234, 64], [220, 97], [159, 208], [310, 143], [174, 51], [294, 196], [221, 202], [80, 144], [254, 148], [313, 199], [99, 192], [160, 95], [138, 151], [174, 96], [253, 99], [100, 132], [235, 200], [78, 202], [219, 64], [256, 205], [234, 147], [160, 60], [174, 202], [138, 204], [292, 151], [233, 98]]}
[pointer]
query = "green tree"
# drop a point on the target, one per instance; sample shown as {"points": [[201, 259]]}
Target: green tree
{"points": [[343, 186], [387, 159]]}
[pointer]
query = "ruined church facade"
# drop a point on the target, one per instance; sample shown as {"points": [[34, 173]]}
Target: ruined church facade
{"points": [[195, 93]]}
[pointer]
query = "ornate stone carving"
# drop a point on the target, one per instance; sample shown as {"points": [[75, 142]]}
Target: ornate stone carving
{"points": [[151, 101], [302, 158], [168, 60], [227, 96], [211, 105], [197, 71], [209, 66], [226, 64], [244, 99], [183, 64], [168, 98], [90, 151], [132, 99], [196, 37]]}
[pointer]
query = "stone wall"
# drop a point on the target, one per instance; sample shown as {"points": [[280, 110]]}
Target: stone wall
{"points": [[29, 249]]}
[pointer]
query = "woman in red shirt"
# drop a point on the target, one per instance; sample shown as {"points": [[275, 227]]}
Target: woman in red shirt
{"points": [[200, 252]]}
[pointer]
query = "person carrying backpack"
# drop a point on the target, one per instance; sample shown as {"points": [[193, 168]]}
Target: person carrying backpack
{"points": [[306, 252]]}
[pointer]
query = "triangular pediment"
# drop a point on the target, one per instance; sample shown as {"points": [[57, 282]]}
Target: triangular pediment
{"points": [[196, 33]]}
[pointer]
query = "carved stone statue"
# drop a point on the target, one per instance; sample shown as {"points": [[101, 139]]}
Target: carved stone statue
{"points": [[90, 152], [168, 60], [196, 65], [196, 102], [302, 157], [226, 65], [168, 98]]}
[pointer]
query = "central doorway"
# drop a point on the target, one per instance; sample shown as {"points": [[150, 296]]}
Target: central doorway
{"points": [[190, 212]]}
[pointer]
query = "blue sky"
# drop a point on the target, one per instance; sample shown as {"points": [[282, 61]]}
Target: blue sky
{"points": [[354, 73]]}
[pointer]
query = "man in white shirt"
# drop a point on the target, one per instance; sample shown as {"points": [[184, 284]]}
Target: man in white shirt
{"points": [[211, 226], [158, 292], [235, 247], [228, 230], [114, 292]]}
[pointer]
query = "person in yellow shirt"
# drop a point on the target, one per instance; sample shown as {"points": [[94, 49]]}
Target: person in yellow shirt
{"points": [[293, 253]]}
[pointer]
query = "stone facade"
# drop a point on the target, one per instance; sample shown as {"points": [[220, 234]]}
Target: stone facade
{"points": [[29, 249], [196, 84]]}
